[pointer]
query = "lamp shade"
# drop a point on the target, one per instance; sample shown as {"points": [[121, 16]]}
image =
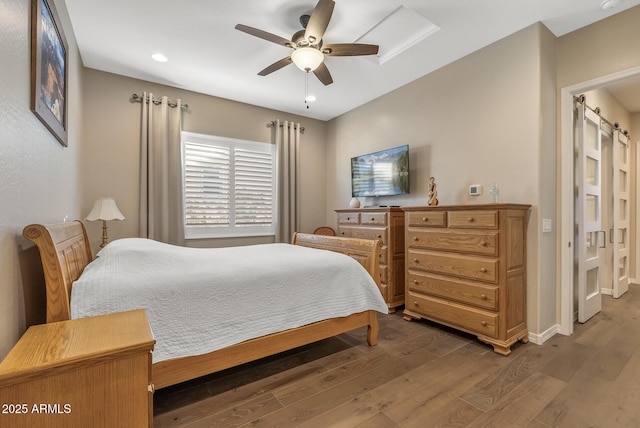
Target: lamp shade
{"points": [[307, 59], [105, 209]]}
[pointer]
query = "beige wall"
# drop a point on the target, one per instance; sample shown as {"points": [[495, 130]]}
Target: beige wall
{"points": [[487, 117], [111, 147], [39, 179], [603, 48]]}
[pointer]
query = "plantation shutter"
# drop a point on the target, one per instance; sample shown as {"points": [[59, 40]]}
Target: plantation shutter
{"points": [[229, 187]]}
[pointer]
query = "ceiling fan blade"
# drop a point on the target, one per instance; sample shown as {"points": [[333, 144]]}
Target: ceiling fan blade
{"points": [[276, 66], [349, 49], [266, 36], [319, 21], [322, 73]]}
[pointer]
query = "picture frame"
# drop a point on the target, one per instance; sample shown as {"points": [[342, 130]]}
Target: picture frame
{"points": [[49, 69]]}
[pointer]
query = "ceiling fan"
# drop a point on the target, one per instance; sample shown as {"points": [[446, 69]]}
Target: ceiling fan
{"points": [[307, 44]]}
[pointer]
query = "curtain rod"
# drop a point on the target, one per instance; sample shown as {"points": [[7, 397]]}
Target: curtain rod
{"points": [[156, 101], [273, 123], [614, 126]]}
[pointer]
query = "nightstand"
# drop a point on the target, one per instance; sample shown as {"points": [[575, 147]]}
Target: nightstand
{"points": [[89, 372]]}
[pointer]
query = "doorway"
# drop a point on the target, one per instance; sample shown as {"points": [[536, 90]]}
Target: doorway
{"points": [[567, 193], [602, 174]]}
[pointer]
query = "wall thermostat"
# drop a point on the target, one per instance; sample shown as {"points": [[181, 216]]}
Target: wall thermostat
{"points": [[475, 189]]}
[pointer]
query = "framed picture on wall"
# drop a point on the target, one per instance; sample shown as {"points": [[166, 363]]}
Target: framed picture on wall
{"points": [[49, 71]]}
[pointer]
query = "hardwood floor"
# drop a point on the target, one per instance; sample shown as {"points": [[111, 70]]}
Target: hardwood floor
{"points": [[425, 375]]}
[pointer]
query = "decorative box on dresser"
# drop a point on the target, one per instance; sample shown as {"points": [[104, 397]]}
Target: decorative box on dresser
{"points": [[466, 268], [387, 225], [88, 372]]}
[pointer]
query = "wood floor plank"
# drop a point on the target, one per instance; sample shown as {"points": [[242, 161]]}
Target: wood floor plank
{"points": [[397, 392], [380, 420], [289, 394], [487, 393], [312, 406], [522, 404]]}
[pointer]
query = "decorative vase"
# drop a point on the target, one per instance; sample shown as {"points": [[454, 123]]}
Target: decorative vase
{"points": [[355, 203]]}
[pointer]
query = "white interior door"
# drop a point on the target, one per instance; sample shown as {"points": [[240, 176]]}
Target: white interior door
{"points": [[590, 236], [620, 232]]}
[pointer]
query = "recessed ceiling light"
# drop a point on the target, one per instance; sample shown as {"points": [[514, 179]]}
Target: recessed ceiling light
{"points": [[159, 57], [608, 4]]}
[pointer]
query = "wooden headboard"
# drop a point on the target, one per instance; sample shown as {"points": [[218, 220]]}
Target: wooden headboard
{"points": [[65, 251]]}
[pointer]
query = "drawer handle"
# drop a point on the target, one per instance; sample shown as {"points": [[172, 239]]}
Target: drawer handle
{"points": [[151, 388], [379, 236], [415, 304], [373, 219], [483, 243], [483, 270], [416, 260], [484, 323], [343, 233], [415, 238], [348, 218], [425, 219], [483, 296], [470, 219], [415, 281]]}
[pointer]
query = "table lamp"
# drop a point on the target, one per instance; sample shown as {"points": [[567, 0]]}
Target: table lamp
{"points": [[104, 209]]}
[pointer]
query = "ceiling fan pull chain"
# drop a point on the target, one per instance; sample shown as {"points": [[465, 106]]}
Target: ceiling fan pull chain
{"points": [[306, 88]]}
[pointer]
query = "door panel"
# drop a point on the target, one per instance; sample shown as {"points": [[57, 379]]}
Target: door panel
{"points": [[590, 237], [620, 231]]}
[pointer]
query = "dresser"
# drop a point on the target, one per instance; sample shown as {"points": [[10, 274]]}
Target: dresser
{"points": [[387, 225], [89, 372], [466, 268]]}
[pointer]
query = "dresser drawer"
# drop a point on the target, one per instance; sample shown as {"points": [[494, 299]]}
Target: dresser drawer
{"points": [[373, 219], [348, 218], [485, 244], [484, 296], [427, 218], [454, 314], [469, 267], [370, 233], [344, 231], [480, 219]]}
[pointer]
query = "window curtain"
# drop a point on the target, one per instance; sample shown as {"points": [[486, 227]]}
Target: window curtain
{"points": [[286, 137], [161, 216]]}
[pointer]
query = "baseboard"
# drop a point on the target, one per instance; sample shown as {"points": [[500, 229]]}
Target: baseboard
{"points": [[539, 339]]}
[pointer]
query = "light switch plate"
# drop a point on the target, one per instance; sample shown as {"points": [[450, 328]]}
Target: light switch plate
{"points": [[546, 225]]}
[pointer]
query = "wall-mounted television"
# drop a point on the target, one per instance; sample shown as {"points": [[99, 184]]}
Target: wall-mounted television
{"points": [[383, 173]]}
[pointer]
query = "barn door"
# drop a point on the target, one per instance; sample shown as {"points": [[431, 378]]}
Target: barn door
{"points": [[590, 237], [620, 232]]}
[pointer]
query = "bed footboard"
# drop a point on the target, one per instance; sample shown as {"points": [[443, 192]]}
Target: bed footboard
{"points": [[365, 251]]}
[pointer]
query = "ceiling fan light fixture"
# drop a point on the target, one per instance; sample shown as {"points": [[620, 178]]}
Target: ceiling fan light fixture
{"points": [[307, 59]]}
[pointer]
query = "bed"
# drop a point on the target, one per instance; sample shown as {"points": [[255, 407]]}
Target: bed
{"points": [[67, 262]]}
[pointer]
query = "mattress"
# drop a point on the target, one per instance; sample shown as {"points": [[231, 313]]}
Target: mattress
{"points": [[201, 300]]}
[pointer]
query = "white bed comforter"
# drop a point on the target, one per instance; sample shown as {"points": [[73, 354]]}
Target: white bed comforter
{"points": [[200, 300]]}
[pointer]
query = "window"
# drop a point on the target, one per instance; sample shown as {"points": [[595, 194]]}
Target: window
{"points": [[229, 187]]}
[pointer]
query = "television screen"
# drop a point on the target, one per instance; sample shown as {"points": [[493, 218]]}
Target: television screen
{"points": [[382, 173]]}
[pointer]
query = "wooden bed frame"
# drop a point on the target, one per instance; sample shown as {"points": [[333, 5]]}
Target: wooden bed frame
{"points": [[65, 251]]}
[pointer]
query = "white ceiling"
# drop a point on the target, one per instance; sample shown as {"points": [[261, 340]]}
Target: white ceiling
{"points": [[207, 55]]}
